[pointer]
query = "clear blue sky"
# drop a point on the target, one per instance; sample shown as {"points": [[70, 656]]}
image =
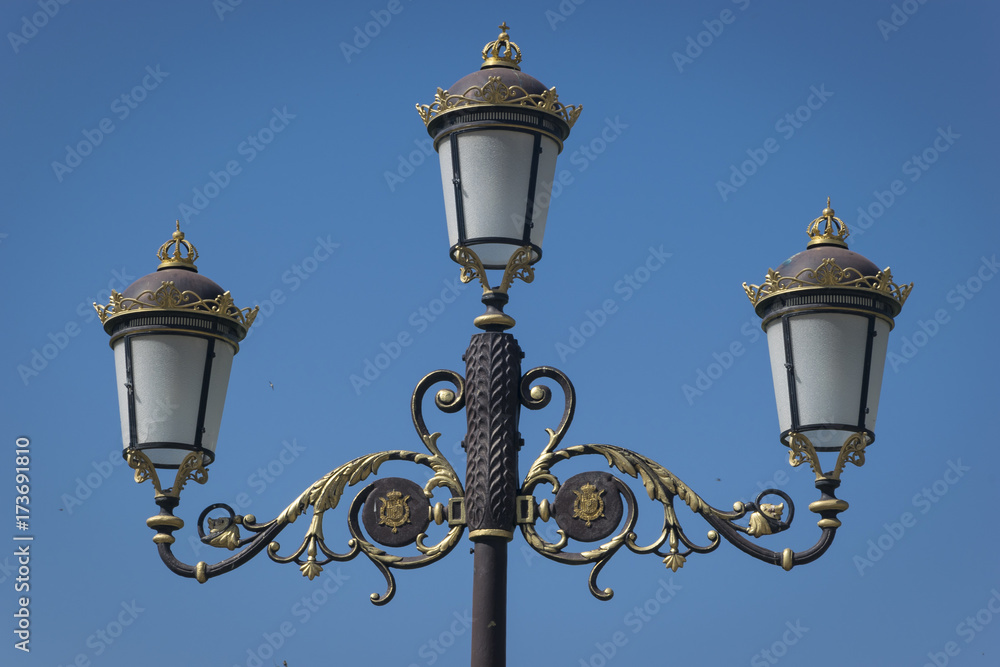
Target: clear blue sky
{"points": [[889, 108]]}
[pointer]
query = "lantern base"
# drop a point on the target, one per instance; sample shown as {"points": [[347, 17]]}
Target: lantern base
{"points": [[801, 450], [495, 298]]}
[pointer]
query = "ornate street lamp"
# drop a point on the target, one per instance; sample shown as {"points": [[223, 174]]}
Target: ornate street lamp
{"points": [[827, 316], [497, 132], [827, 313], [174, 333]]}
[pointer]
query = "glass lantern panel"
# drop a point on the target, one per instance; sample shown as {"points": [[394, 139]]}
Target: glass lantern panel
{"points": [[829, 356], [167, 374], [222, 365], [879, 348], [495, 169], [828, 353], [543, 190], [776, 348], [121, 377]]}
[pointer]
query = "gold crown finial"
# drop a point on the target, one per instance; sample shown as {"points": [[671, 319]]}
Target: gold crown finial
{"points": [[174, 260], [827, 235], [511, 52]]}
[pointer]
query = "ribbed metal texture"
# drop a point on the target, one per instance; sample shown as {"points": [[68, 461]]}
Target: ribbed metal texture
{"points": [[493, 371]]}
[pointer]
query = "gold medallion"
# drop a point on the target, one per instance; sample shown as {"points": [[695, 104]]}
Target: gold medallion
{"points": [[394, 511], [588, 506]]}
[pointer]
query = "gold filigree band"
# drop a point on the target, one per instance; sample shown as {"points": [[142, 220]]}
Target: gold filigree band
{"points": [[828, 274]]}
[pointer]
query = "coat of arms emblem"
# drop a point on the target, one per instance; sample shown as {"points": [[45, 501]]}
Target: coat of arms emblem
{"points": [[588, 506], [394, 511]]}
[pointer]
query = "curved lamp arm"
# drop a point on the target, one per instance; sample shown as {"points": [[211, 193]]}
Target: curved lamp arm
{"points": [[594, 512], [403, 520], [588, 507]]}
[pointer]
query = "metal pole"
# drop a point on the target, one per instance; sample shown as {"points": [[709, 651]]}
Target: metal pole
{"points": [[489, 603], [493, 373]]}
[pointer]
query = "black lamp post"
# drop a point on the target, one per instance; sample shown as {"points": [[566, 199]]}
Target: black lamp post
{"points": [[827, 315]]}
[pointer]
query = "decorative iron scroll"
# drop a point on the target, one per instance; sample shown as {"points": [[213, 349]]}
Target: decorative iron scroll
{"points": [[313, 553], [595, 506], [672, 545]]}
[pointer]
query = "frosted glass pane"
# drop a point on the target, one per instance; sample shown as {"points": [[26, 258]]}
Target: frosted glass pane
{"points": [[495, 167], [447, 174], [168, 371], [828, 351], [828, 438], [121, 378], [776, 348], [879, 348], [543, 189], [221, 366]]}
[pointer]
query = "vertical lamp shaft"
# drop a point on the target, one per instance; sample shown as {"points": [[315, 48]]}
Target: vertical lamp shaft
{"points": [[493, 372]]}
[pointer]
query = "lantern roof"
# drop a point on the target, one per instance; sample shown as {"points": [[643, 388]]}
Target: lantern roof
{"points": [[499, 82], [176, 285], [827, 263]]}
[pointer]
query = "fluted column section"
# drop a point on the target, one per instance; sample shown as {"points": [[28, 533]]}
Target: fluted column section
{"points": [[493, 373], [492, 405]]}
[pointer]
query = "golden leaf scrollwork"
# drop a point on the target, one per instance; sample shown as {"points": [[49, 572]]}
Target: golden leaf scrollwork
{"points": [[191, 468], [325, 494], [801, 450], [496, 92], [828, 274], [518, 266], [225, 533], [143, 469], [674, 561], [472, 267], [759, 524], [168, 297], [853, 451]]}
